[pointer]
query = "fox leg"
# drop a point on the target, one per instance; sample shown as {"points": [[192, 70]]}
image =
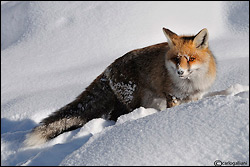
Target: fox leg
{"points": [[173, 101], [150, 100]]}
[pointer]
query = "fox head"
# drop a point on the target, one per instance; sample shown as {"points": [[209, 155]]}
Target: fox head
{"points": [[187, 55]]}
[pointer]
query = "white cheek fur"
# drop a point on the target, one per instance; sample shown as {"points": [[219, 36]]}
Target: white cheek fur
{"points": [[170, 64], [195, 67], [197, 80], [171, 67]]}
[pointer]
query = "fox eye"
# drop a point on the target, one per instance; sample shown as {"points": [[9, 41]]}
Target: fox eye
{"points": [[176, 59], [191, 59]]}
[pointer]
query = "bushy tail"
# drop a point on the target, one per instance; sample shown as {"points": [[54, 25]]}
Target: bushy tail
{"points": [[54, 125], [98, 100]]}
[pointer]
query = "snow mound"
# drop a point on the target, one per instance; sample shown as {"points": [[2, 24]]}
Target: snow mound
{"points": [[190, 134], [136, 114], [237, 16], [14, 22]]}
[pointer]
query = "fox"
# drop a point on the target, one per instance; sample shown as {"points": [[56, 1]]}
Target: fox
{"points": [[159, 76]]}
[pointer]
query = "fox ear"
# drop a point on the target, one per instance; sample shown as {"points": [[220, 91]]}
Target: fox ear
{"points": [[170, 36], [201, 39]]}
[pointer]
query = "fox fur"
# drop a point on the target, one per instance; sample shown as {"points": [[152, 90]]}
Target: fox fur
{"points": [[158, 76]]}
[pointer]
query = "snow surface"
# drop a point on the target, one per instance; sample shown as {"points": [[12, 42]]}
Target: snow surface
{"points": [[51, 51]]}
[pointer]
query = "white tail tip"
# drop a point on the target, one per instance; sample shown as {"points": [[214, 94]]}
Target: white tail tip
{"points": [[34, 139]]}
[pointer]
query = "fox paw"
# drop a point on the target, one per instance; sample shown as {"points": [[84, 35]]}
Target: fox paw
{"points": [[172, 101]]}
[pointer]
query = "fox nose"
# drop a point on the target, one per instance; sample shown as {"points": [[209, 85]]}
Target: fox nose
{"points": [[180, 72]]}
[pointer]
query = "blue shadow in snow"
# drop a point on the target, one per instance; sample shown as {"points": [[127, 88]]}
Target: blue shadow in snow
{"points": [[15, 126]]}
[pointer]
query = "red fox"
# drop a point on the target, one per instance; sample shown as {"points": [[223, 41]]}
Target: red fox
{"points": [[158, 76]]}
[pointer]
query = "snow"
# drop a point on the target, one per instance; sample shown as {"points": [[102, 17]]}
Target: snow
{"points": [[51, 51], [186, 135]]}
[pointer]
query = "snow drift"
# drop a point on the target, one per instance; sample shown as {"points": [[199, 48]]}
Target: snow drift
{"points": [[51, 51]]}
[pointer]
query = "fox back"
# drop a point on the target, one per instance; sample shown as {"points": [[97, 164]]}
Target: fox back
{"points": [[158, 76]]}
